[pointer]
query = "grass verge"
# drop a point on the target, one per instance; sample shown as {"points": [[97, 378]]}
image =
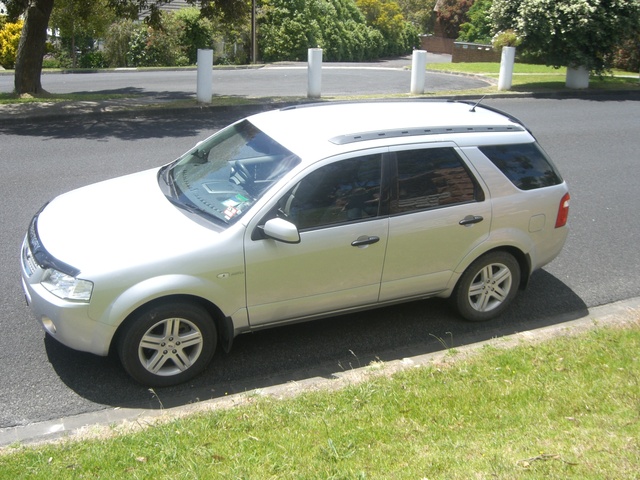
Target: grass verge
{"points": [[11, 98], [565, 408], [539, 78]]}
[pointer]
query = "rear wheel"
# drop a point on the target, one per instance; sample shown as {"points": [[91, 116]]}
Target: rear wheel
{"points": [[168, 344], [487, 286]]}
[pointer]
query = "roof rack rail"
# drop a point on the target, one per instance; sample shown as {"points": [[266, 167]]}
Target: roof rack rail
{"points": [[411, 132]]}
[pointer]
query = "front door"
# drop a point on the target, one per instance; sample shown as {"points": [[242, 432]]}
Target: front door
{"points": [[338, 263]]}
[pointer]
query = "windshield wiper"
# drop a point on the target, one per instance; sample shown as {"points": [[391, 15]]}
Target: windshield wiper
{"points": [[165, 173], [192, 208]]}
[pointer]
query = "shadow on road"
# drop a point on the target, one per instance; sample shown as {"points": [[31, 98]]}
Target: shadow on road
{"points": [[318, 349], [143, 123]]}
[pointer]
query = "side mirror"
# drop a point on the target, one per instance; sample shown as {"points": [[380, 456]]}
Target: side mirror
{"points": [[281, 230]]}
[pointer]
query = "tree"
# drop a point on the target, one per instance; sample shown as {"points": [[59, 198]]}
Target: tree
{"points": [[419, 13], [386, 17], [37, 13], [196, 32], [479, 28], [288, 28], [79, 21], [31, 48], [571, 33], [452, 14]]}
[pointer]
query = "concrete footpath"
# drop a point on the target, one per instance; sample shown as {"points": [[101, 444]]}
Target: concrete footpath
{"points": [[114, 421]]}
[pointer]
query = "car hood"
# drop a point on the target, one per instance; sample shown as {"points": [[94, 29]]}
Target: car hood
{"points": [[119, 224]]}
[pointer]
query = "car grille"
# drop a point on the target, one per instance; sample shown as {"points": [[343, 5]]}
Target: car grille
{"points": [[28, 262]]}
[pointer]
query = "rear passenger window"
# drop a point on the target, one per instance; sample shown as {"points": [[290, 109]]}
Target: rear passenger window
{"points": [[526, 165], [430, 178]]}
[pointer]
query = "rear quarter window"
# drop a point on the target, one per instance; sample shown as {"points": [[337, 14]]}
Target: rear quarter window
{"points": [[525, 165]]}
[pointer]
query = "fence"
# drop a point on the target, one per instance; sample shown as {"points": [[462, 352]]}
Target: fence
{"points": [[474, 52], [459, 51]]}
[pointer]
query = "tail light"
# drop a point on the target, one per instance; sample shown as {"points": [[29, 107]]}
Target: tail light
{"points": [[563, 211]]}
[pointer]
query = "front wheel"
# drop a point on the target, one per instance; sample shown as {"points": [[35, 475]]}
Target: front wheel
{"points": [[168, 344], [487, 287]]}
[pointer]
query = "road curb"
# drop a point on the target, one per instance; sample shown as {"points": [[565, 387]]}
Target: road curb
{"points": [[114, 421]]}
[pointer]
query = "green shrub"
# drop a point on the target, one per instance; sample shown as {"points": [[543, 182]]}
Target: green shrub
{"points": [[116, 45], [507, 38], [50, 61], [94, 59], [627, 56], [194, 32], [479, 28]]}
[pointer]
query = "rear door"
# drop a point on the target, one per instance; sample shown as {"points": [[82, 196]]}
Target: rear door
{"points": [[438, 213]]}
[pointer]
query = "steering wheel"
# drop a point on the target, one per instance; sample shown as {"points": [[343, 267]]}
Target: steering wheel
{"points": [[242, 172]]}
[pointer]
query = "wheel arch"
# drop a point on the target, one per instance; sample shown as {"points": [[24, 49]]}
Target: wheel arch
{"points": [[224, 325], [523, 259]]}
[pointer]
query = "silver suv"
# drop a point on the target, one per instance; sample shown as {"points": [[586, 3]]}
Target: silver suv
{"points": [[293, 215]]}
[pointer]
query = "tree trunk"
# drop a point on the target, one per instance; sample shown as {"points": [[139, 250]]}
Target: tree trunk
{"points": [[32, 46]]}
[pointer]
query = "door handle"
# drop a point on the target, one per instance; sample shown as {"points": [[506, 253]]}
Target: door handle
{"points": [[470, 220], [365, 240]]}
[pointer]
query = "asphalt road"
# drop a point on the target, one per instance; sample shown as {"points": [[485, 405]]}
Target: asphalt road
{"points": [[384, 77], [595, 144]]}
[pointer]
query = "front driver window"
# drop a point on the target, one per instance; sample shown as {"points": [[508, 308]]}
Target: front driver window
{"points": [[344, 191]]}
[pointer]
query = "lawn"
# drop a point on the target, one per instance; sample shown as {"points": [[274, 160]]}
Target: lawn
{"points": [[565, 408], [540, 78]]}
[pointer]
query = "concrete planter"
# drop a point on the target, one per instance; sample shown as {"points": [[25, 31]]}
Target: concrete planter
{"points": [[507, 63], [577, 77]]}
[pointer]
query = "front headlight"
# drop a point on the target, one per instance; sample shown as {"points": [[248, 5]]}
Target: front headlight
{"points": [[67, 287]]}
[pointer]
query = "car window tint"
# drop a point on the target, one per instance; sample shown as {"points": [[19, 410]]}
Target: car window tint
{"points": [[526, 165], [429, 178], [344, 191]]}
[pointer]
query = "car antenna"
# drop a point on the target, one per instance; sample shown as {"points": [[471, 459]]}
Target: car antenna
{"points": [[473, 109]]}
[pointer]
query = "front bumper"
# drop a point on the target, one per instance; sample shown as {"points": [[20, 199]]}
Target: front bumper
{"points": [[66, 321]]}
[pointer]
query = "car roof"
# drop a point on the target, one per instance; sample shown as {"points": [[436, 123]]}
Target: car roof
{"points": [[322, 130]]}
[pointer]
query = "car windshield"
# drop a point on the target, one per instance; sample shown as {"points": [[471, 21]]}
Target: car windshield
{"points": [[221, 177]]}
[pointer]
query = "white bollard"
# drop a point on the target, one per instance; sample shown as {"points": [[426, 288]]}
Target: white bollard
{"points": [[507, 62], [205, 76], [314, 70], [418, 71]]}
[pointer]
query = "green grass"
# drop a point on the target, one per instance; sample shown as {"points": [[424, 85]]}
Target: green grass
{"points": [[539, 78], [565, 408], [10, 98]]}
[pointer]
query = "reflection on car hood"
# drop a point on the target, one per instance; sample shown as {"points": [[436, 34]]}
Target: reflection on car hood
{"points": [[119, 223]]}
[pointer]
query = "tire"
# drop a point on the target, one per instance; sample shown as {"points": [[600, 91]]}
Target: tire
{"points": [[168, 344], [487, 286]]}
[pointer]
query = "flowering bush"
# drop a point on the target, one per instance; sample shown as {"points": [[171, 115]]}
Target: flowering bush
{"points": [[570, 33], [9, 39]]}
